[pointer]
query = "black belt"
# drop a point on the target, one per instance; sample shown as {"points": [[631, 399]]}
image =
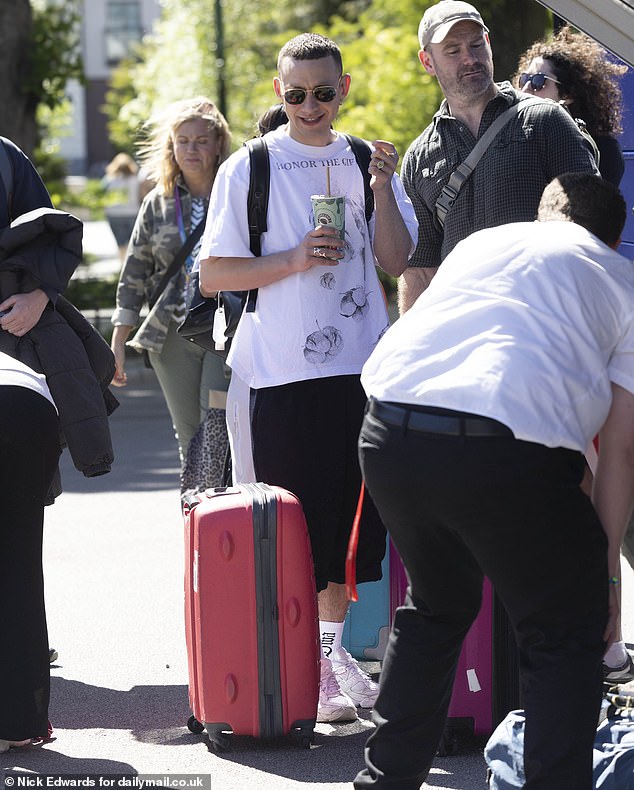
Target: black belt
{"points": [[427, 422]]}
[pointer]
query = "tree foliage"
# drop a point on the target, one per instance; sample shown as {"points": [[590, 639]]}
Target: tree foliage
{"points": [[391, 95], [55, 50], [39, 52]]}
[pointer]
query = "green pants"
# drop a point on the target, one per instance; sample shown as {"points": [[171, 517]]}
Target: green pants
{"points": [[193, 380]]}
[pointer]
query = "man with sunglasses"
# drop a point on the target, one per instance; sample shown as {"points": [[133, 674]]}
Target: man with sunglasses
{"points": [[536, 145], [320, 311]]}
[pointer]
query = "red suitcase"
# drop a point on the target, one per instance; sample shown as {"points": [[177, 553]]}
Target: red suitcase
{"points": [[250, 615]]}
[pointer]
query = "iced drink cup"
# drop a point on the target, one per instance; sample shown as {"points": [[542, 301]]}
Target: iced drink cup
{"points": [[330, 210]]}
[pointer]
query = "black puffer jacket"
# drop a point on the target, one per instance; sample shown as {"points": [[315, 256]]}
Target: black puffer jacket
{"points": [[43, 248]]}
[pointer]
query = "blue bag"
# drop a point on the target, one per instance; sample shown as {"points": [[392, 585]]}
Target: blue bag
{"points": [[614, 742], [504, 753], [613, 753]]}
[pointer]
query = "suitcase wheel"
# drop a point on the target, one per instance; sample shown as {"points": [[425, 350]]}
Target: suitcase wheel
{"points": [[219, 742], [195, 726], [302, 739], [305, 741], [302, 733], [449, 744]]}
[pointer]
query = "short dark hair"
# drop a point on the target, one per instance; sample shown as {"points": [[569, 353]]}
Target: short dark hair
{"points": [[587, 200], [272, 118], [310, 46]]}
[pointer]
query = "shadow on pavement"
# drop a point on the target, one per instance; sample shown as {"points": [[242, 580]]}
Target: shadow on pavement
{"points": [[153, 714], [339, 758], [59, 764], [145, 449]]}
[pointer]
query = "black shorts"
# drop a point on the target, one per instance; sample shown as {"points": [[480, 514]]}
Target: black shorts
{"points": [[305, 438]]}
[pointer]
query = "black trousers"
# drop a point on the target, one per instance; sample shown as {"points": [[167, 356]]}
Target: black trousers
{"points": [[305, 439], [29, 451], [457, 508]]}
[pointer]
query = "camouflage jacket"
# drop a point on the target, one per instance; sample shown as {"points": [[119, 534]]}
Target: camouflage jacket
{"points": [[154, 243]]}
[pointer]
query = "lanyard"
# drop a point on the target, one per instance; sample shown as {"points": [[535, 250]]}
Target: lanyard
{"points": [[179, 214]]}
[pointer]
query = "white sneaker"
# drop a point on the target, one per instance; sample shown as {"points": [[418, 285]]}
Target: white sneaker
{"points": [[354, 682], [333, 704]]}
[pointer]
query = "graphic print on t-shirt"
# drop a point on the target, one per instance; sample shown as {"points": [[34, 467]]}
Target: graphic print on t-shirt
{"points": [[354, 303], [327, 281], [323, 345], [316, 323]]}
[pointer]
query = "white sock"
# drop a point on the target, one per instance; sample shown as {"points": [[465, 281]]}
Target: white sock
{"points": [[331, 635], [616, 655]]}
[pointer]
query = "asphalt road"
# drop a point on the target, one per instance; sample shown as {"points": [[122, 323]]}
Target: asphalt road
{"points": [[113, 560]]}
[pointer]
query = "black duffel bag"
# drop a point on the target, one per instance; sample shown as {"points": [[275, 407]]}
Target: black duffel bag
{"points": [[221, 312]]}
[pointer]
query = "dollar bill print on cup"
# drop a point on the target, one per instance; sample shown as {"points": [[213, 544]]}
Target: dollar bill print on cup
{"points": [[330, 210]]}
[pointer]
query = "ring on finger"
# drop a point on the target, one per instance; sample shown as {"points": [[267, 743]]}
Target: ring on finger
{"points": [[319, 252], [380, 164]]}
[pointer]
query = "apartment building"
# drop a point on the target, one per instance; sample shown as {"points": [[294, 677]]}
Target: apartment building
{"points": [[109, 29]]}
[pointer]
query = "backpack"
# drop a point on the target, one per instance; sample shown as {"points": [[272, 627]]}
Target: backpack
{"points": [[211, 322], [259, 184]]}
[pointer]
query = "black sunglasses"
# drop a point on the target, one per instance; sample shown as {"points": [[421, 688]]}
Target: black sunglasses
{"points": [[323, 94], [537, 81]]}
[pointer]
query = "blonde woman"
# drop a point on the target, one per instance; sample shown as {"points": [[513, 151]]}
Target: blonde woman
{"points": [[183, 150]]}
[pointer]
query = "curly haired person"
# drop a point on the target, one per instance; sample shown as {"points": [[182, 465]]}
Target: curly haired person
{"points": [[574, 70]]}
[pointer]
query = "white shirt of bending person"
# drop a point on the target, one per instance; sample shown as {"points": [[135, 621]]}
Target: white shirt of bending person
{"points": [[14, 373], [527, 323]]}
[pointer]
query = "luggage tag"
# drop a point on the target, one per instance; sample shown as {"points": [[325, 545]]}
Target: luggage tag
{"points": [[219, 327]]}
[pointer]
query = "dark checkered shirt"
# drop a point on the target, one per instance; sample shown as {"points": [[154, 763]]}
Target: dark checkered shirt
{"points": [[506, 185]]}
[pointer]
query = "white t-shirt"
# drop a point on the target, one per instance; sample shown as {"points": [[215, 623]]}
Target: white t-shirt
{"points": [[526, 323], [16, 374], [319, 323]]}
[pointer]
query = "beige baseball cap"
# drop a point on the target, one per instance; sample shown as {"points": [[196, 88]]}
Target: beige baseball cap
{"points": [[438, 20]]}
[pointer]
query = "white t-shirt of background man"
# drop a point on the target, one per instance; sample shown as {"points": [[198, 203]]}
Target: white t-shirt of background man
{"points": [[314, 324], [526, 323]]}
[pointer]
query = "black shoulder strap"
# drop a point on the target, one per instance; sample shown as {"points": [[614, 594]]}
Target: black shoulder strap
{"points": [[362, 154], [259, 184], [6, 174], [257, 201], [178, 260]]}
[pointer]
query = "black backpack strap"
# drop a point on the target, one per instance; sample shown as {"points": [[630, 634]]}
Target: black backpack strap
{"points": [[257, 201], [362, 153]]}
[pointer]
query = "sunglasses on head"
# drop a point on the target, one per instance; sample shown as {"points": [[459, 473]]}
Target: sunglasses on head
{"points": [[537, 81], [323, 94]]}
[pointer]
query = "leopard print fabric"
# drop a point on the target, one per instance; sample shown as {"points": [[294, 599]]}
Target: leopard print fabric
{"points": [[206, 458]]}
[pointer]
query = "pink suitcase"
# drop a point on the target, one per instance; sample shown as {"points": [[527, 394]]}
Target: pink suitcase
{"points": [[250, 615], [486, 687]]}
